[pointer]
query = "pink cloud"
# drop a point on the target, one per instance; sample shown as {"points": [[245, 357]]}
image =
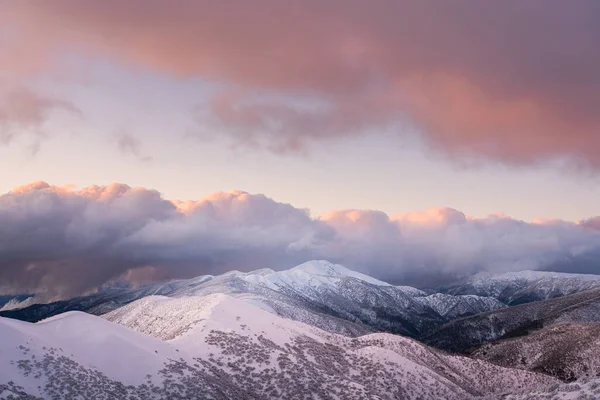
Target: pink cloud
{"points": [[23, 110], [502, 80], [436, 217]]}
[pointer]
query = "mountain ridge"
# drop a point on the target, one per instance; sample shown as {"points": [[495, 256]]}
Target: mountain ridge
{"points": [[319, 288], [513, 288], [225, 347], [463, 333]]}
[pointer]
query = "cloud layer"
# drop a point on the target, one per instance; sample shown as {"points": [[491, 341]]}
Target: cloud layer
{"points": [[60, 242], [510, 81]]}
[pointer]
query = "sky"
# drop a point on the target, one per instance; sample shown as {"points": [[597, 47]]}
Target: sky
{"points": [[473, 121]]}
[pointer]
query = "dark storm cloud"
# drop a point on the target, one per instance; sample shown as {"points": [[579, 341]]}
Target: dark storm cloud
{"points": [[60, 242]]}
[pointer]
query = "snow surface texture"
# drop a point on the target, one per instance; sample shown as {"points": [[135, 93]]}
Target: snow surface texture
{"points": [[220, 347], [567, 351], [586, 389]]}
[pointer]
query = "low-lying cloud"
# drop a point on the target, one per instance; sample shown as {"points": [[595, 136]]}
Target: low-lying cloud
{"points": [[60, 242]]}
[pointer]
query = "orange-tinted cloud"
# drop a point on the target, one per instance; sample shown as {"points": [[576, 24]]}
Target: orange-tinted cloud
{"points": [[512, 81], [436, 217]]}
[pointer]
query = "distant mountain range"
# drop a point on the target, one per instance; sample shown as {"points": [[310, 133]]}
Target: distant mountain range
{"points": [[316, 328], [314, 291], [513, 288], [319, 290]]}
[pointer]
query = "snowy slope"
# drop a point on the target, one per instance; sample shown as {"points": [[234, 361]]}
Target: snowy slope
{"points": [[458, 306], [567, 351], [270, 335], [224, 347], [218, 326], [310, 274], [105, 300], [316, 291], [584, 389], [40, 357]]}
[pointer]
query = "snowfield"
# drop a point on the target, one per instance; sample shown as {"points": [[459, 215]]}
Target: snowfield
{"points": [[70, 349]]}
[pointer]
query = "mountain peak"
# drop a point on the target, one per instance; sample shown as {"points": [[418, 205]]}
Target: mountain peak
{"points": [[328, 269]]}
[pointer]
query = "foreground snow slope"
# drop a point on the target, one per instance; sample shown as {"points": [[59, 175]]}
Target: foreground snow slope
{"points": [[41, 356], [221, 347]]}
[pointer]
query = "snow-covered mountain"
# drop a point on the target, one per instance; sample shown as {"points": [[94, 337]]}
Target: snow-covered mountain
{"points": [[326, 295], [221, 347], [521, 287], [296, 334], [452, 307], [9, 302], [310, 274]]}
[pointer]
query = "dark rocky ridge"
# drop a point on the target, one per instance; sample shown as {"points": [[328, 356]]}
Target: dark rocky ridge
{"points": [[463, 334]]}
